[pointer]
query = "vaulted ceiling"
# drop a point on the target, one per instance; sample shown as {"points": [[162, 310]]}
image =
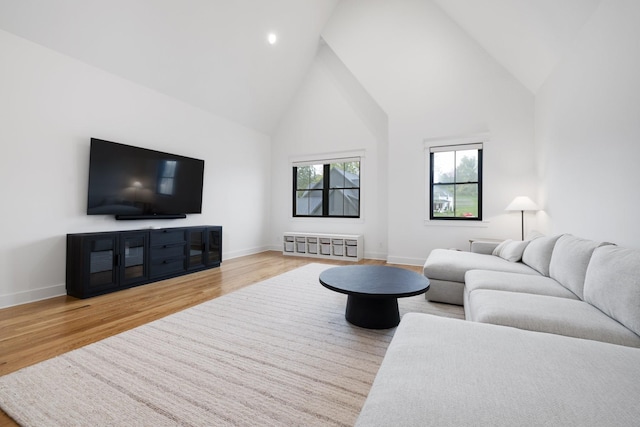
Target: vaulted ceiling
{"points": [[214, 54], [528, 37]]}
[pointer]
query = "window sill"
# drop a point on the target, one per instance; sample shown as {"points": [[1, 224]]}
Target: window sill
{"points": [[454, 223], [324, 220]]}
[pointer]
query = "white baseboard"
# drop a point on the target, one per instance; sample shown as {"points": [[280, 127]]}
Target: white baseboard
{"points": [[368, 255], [245, 252], [32, 295], [375, 255], [405, 261]]}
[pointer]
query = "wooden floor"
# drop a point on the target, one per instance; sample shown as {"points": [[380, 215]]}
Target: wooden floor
{"points": [[34, 332]]}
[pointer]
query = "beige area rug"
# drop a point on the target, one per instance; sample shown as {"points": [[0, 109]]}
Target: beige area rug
{"points": [[275, 353]]}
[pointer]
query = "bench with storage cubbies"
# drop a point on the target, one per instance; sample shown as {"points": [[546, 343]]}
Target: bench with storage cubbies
{"points": [[346, 247]]}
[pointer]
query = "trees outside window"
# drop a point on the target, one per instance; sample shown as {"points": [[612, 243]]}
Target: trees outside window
{"points": [[329, 189]]}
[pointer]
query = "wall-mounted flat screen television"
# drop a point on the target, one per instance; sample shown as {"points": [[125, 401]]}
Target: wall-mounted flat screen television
{"points": [[137, 183]]}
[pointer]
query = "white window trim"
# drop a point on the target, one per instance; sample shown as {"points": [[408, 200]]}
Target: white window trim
{"points": [[480, 140], [332, 157]]}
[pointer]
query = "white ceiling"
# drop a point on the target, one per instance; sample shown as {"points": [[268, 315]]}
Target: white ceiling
{"points": [[528, 37], [214, 54]]}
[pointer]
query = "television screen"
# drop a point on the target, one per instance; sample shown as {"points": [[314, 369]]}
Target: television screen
{"points": [[132, 182]]}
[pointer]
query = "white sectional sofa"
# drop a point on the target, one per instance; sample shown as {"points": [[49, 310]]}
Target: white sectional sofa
{"points": [[551, 338], [560, 284]]}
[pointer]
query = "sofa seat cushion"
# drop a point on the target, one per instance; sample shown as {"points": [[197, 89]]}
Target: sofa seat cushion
{"points": [[515, 282], [562, 316], [448, 372], [612, 284], [451, 265]]}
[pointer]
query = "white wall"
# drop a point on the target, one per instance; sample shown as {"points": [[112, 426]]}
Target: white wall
{"points": [[51, 105], [392, 75], [434, 81], [588, 131], [331, 113]]}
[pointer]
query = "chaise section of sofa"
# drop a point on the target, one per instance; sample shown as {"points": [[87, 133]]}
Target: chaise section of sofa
{"points": [[446, 268], [447, 372]]}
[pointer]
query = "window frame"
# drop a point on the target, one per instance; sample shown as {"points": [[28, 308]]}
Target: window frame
{"points": [[326, 187], [167, 178], [477, 144]]}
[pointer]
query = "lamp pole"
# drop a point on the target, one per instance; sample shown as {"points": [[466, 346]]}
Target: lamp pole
{"points": [[522, 223], [522, 203]]}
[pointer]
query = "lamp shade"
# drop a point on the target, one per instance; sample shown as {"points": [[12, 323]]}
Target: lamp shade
{"points": [[522, 203]]}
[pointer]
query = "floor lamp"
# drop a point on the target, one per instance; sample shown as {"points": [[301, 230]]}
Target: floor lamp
{"points": [[522, 203]]}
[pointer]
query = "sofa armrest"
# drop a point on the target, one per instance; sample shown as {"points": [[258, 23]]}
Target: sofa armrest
{"points": [[484, 246]]}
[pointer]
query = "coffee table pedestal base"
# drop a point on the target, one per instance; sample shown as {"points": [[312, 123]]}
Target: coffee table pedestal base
{"points": [[372, 313]]}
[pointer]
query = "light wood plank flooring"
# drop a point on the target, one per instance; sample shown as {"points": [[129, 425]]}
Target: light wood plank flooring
{"points": [[34, 332]]}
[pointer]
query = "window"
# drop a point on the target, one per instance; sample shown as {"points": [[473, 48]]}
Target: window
{"points": [[456, 182], [167, 177], [327, 189]]}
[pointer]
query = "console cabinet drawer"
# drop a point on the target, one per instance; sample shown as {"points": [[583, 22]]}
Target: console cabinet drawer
{"points": [[167, 251], [163, 267], [167, 237]]}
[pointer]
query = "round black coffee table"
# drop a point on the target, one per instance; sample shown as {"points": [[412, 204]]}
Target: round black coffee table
{"points": [[373, 292]]}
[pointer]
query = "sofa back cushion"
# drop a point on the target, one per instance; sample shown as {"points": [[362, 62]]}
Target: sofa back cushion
{"points": [[569, 262], [537, 254], [612, 284]]}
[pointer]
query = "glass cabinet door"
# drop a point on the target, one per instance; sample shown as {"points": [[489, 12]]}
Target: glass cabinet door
{"points": [[102, 262], [133, 252], [196, 248], [214, 246]]}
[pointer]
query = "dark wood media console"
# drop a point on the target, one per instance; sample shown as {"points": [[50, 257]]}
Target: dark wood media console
{"points": [[99, 263]]}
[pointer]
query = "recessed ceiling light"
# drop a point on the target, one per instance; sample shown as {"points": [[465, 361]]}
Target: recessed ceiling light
{"points": [[272, 38]]}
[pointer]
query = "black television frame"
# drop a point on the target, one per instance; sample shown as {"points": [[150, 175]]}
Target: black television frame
{"points": [[142, 154]]}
